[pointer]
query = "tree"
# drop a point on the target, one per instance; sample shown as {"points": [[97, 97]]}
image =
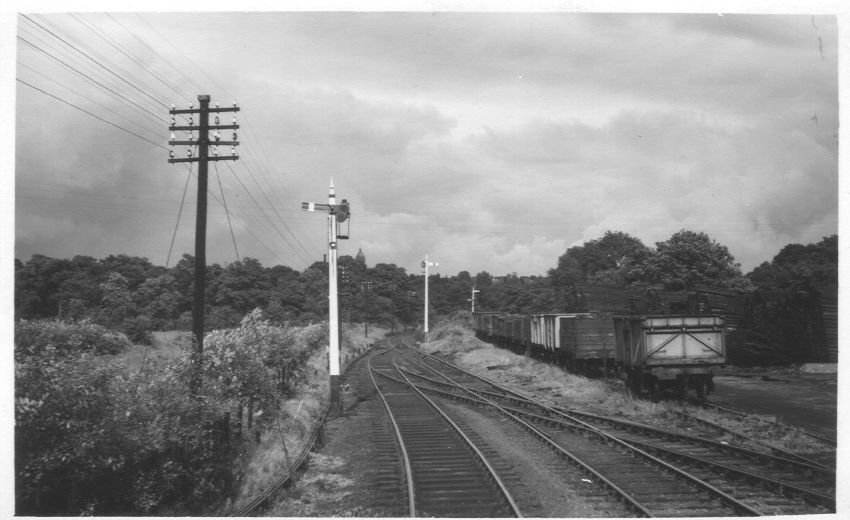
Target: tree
{"points": [[242, 285], [134, 269], [158, 299], [688, 259], [117, 303], [615, 259], [800, 268]]}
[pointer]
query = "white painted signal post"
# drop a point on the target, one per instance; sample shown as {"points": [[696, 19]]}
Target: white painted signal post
{"points": [[472, 298], [426, 264], [337, 213]]}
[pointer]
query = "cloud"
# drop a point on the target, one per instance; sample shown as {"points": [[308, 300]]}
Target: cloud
{"points": [[493, 141]]}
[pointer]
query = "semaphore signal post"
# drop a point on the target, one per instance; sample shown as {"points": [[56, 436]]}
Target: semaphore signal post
{"points": [[202, 158], [337, 213]]}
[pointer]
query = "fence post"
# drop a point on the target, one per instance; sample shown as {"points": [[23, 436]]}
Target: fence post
{"points": [[239, 420], [225, 433]]}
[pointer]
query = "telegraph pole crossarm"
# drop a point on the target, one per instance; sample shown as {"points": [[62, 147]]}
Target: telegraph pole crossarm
{"points": [[203, 129]]}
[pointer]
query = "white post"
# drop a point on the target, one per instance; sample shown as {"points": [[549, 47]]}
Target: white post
{"points": [[426, 296], [426, 264], [472, 299], [333, 305]]}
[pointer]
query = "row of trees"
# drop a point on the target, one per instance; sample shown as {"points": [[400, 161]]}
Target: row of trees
{"points": [[133, 295]]}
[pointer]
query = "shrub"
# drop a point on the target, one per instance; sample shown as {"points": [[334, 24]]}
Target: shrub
{"points": [[33, 337], [246, 362], [138, 329], [96, 437]]}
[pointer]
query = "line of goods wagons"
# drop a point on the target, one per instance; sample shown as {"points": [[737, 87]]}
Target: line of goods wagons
{"points": [[653, 353]]}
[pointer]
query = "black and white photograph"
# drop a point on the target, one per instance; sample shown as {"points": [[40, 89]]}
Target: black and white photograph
{"points": [[435, 259]]}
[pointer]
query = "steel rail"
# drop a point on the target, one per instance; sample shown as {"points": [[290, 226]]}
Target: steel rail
{"points": [[631, 502], [786, 459], [492, 471], [777, 485], [738, 506], [707, 404], [256, 503], [783, 458], [782, 487], [408, 470]]}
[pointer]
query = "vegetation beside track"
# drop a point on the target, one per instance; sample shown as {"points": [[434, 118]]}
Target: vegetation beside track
{"points": [[105, 427], [271, 455]]}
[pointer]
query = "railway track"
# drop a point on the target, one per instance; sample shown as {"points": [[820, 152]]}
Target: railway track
{"points": [[749, 482], [445, 474], [825, 459]]}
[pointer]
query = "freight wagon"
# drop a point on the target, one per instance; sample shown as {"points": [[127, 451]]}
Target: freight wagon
{"points": [[578, 341], [658, 353]]}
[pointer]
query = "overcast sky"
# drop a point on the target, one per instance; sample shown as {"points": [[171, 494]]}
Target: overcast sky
{"points": [[491, 141]]}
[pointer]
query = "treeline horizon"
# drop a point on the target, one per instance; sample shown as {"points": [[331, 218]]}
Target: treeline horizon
{"points": [[131, 294]]}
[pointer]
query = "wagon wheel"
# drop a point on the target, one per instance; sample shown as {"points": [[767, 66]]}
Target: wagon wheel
{"points": [[701, 390], [655, 392], [682, 389], [633, 383]]}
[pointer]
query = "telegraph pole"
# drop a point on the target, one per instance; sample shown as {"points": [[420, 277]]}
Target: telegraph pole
{"points": [[426, 264], [203, 145], [337, 213]]}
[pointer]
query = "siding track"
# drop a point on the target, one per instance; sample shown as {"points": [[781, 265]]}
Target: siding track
{"points": [[708, 478]]}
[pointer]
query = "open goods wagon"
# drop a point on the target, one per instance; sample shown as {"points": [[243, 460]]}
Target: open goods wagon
{"points": [[658, 353], [578, 341]]}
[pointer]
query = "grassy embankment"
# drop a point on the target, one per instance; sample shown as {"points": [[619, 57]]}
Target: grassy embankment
{"points": [[266, 461]]}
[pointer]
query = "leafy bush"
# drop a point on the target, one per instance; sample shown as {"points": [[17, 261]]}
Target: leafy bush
{"points": [[33, 337], [94, 436], [138, 329], [246, 362]]}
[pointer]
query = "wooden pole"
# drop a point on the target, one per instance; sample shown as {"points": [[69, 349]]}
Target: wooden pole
{"points": [[200, 244]]}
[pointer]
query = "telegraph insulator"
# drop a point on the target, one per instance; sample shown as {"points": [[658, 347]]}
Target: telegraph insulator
{"points": [[217, 135], [217, 121], [233, 151], [234, 120], [191, 105], [191, 120], [173, 137], [189, 152], [189, 133], [216, 104], [172, 106], [173, 121], [171, 154], [234, 103], [215, 150], [234, 136]]}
